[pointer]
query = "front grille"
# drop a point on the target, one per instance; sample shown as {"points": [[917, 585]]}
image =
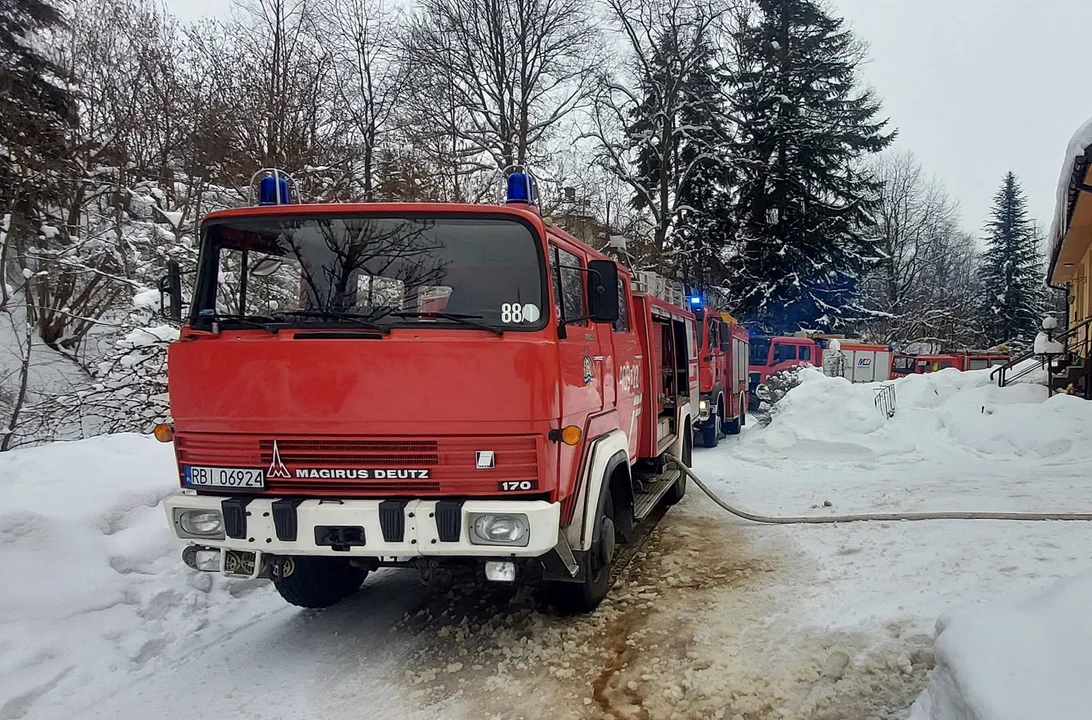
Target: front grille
{"points": [[354, 453], [451, 462]]}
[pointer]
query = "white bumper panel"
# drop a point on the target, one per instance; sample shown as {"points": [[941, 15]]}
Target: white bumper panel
{"points": [[421, 537]]}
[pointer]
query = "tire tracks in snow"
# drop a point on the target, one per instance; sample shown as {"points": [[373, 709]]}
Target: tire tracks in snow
{"points": [[701, 623]]}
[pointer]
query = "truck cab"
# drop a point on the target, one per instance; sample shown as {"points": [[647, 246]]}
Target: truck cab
{"points": [[770, 355], [359, 386]]}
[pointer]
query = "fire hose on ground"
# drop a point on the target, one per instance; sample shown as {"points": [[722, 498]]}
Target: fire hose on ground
{"points": [[874, 517]]}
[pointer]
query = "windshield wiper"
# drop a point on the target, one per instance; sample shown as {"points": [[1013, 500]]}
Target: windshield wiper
{"points": [[354, 319], [262, 322], [460, 318]]}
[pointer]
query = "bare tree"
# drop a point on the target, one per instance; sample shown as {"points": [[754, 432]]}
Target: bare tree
{"points": [[514, 70], [924, 284], [363, 36]]}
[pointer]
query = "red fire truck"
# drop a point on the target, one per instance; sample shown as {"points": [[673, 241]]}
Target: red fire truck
{"points": [[360, 386], [722, 372], [960, 360], [834, 354]]}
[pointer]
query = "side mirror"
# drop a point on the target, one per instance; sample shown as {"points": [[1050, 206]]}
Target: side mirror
{"points": [[603, 291], [170, 286]]}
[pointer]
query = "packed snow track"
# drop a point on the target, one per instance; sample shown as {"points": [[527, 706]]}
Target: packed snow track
{"points": [[713, 618]]}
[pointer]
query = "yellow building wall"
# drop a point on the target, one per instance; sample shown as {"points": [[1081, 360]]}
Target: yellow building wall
{"points": [[1080, 297]]}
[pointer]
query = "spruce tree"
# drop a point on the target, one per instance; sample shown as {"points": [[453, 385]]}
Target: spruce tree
{"points": [[1011, 272], [35, 112], [677, 134], [705, 224], [805, 201]]}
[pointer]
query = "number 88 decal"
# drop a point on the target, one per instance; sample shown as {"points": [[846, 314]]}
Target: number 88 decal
{"points": [[517, 313]]}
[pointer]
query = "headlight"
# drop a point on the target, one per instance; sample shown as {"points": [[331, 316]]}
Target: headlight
{"points": [[703, 405], [200, 523], [499, 529]]}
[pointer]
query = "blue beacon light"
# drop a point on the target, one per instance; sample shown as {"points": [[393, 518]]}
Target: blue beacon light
{"points": [[695, 301], [521, 189], [268, 189]]}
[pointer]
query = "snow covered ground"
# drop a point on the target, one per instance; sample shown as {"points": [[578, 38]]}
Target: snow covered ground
{"points": [[715, 618]]}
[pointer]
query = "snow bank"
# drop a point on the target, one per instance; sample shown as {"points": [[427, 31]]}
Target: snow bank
{"points": [[943, 412], [93, 583], [1014, 660]]}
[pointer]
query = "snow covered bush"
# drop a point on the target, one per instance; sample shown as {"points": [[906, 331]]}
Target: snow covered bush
{"points": [[777, 386]]}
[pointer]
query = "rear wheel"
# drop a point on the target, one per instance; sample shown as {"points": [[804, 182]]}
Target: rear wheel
{"points": [[583, 597], [319, 582]]}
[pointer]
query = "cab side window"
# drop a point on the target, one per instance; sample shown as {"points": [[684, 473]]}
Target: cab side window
{"points": [[621, 325], [784, 352], [805, 353], [568, 285]]}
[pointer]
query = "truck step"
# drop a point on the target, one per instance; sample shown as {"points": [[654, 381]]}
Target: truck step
{"points": [[645, 501]]}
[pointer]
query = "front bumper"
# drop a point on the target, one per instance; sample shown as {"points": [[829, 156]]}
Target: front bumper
{"points": [[421, 532]]}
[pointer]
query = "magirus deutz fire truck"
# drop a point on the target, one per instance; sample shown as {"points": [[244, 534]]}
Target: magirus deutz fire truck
{"points": [[360, 386]]}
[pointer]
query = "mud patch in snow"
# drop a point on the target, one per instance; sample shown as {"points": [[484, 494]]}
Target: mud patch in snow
{"points": [[695, 627]]}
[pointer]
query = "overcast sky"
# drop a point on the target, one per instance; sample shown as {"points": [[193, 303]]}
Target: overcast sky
{"points": [[975, 87]]}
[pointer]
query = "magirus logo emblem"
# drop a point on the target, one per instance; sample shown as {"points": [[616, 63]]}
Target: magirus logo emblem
{"points": [[277, 468]]}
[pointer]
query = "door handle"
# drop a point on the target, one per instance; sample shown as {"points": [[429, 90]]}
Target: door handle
{"points": [[599, 358]]}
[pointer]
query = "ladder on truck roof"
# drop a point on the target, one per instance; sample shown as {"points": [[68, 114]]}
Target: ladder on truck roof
{"points": [[656, 285]]}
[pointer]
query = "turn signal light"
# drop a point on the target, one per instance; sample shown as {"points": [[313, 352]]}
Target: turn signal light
{"points": [[570, 435], [163, 432]]}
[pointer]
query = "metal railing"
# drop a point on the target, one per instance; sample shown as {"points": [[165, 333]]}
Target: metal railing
{"points": [[885, 399], [1073, 340]]}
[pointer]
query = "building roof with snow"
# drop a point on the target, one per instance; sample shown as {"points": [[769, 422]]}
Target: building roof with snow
{"points": [[1071, 229]]}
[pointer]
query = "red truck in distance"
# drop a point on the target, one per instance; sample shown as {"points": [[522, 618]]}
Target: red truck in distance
{"points": [[724, 350], [360, 386]]}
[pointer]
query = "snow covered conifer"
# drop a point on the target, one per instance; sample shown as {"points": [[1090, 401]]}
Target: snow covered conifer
{"points": [[805, 200], [35, 112], [1011, 272], [706, 224]]}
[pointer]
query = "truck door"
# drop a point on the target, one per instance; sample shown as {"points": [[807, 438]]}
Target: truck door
{"points": [[629, 368], [581, 359], [716, 354]]}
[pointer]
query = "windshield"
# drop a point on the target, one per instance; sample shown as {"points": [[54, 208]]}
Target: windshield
{"points": [[760, 350], [389, 270]]}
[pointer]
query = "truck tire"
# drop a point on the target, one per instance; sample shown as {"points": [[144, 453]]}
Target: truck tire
{"points": [[576, 598], [732, 427], [319, 582], [678, 490], [710, 434]]}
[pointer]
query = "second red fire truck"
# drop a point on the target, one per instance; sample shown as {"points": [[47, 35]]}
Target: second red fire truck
{"points": [[360, 386]]}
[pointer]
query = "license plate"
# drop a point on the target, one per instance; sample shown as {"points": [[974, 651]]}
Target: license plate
{"points": [[200, 476]]}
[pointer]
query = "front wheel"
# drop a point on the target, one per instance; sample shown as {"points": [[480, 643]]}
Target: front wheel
{"points": [[318, 582], [583, 597], [709, 434]]}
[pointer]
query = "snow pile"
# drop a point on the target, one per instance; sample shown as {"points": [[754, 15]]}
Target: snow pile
{"points": [[94, 586], [1014, 660], [947, 411]]}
